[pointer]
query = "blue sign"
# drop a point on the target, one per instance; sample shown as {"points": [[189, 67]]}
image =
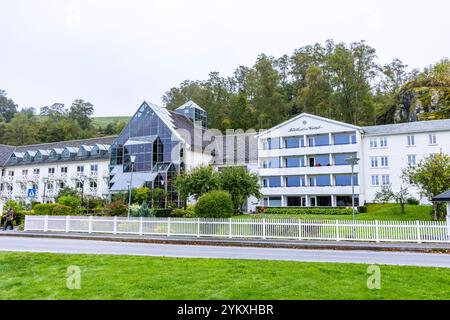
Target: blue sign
{"points": [[31, 193]]}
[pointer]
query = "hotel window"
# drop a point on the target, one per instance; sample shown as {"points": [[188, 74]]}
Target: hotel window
{"points": [[271, 163], [344, 138], [411, 160], [51, 170], [273, 202], [374, 162], [341, 159], [93, 184], [385, 179], [36, 171], [272, 143], [294, 162], [11, 173], [94, 167], [319, 161], [24, 172], [63, 169], [410, 141], [319, 140], [79, 185], [432, 138], [320, 181], [383, 142], [295, 181], [80, 168], [375, 181], [346, 180], [272, 182], [294, 201], [373, 142], [384, 161], [293, 142]]}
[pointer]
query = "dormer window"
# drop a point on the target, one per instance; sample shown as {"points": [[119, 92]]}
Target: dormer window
{"points": [[81, 152]]}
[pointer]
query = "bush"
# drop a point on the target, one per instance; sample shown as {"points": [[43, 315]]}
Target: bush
{"points": [[162, 213], [184, 213], [214, 204], [304, 210], [69, 201], [44, 209], [67, 191], [92, 203], [62, 210], [362, 209], [412, 201], [117, 208]]}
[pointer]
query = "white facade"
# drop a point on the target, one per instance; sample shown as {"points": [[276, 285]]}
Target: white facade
{"points": [[39, 172], [384, 163], [89, 177], [302, 162]]}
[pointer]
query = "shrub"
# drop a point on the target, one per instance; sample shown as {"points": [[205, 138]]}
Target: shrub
{"points": [[92, 203], [162, 213], [145, 211], [16, 206], [304, 210], [362, 209], [67, 191], [43, 209], [62, 210], [69, 201], [140, 195], [214, 204], [412, 201], [184, 213], [117, 208]]}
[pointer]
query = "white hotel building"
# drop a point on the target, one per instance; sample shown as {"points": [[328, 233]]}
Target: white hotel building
{"points": [[302, 162]]}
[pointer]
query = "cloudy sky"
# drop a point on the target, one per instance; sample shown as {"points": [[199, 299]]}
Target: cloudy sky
{"points": [[118, 53]]}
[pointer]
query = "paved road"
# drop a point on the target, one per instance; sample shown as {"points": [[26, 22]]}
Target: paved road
{"points": [[189, 251]]}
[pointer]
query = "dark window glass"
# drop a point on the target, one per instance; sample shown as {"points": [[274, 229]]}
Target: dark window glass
{"points": [[324, 201], [323, 181], [295, 181], [294, 201], [346, 180]]}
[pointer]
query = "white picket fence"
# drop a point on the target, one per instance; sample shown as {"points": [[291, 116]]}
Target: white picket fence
{"points": [[334, 230]]}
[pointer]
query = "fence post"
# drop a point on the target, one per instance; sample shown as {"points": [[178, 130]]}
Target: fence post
{"points": [[67, 223], [168, 226], [140, 226], [198, 227], [25, 228], [337, 231], [377, 231], [419, 240], [115, 225], [264, 228], [45, 223], [229, 228], [90, 224], [299, 229]]}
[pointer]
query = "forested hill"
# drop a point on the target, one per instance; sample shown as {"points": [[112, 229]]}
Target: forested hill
{"points": [[341, 81], [335, 80]]}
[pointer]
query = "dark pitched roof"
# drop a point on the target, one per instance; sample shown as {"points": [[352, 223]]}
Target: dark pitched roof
{"points": [[409, 127], [5, 153], [444, 196]]}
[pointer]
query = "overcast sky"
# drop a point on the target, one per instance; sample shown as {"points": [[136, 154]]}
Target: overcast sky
{"points": [[118, 53]]}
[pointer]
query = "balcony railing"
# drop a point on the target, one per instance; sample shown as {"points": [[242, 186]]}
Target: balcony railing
{"points": [[7, 179]]}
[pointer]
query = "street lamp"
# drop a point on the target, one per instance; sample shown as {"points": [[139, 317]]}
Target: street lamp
{"points": [[132, 160], [353, 161], [45, 181]]}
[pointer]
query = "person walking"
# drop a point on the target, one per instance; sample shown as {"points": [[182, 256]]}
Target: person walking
{"points": [[9, 219]]}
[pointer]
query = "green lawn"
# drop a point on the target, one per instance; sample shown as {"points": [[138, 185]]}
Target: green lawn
{"points": [[389, 211], [43, 276]]}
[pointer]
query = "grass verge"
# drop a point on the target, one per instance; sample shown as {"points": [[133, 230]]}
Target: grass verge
{"points": [[44, 276]]}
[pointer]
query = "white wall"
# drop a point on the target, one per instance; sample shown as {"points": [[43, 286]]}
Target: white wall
{"points": [[17, 194], [397, 152]]}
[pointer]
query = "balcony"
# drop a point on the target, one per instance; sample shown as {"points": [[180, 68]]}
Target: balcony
{"points": [[79, 176], [307, 170], [93, 175], [61, 177], [6, 194], [91, 192], [32, 178], [7, 179], [309, 190], [331, 148]]}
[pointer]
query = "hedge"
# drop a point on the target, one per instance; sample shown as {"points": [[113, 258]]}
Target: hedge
{"points": [[44, 209], [304, 210], [214, 204]]}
